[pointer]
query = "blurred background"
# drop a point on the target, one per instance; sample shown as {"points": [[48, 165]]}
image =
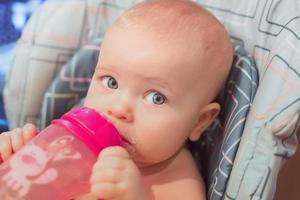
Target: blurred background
{"points": [[13, 16]]}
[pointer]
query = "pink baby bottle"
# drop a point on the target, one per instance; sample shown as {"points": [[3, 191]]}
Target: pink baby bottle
{"points": [[57, 163]]}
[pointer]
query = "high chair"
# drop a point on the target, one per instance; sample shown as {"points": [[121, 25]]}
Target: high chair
{"points": [[243, 150]]}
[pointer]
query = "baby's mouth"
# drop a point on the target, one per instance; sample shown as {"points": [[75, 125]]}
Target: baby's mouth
{"points": [[123, 134], [128, 144], [125, 140]]}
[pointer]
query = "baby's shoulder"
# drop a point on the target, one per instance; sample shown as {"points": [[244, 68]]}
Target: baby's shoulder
{"points": [[181, 177]]}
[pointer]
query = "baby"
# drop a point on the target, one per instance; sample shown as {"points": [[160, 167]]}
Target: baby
{"points": [[160, 67]]}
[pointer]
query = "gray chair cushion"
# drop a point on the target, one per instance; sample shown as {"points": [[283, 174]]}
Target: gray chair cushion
{"points": [[219, 144], [70, 85]]}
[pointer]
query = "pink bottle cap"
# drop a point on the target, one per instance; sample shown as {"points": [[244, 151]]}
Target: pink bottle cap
{"points": [[90, 127]]}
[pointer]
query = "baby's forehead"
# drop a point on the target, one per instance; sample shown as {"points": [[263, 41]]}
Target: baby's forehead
{"points": [[173, 22], [168, 17]]}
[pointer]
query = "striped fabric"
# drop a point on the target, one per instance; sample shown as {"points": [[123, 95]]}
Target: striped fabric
{"points": [[221, 141], [70, 85]]}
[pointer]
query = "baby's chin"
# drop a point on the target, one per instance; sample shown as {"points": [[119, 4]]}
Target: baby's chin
{"points": [[140, 162], [142, 165], [150, 165], [146, 168]]}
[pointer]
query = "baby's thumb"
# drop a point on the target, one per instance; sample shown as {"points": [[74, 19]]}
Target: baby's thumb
{"points": [[29, 131]]}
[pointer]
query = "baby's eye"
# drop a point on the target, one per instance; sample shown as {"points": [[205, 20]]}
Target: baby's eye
{"points": [[110, 82], [156, 98]]}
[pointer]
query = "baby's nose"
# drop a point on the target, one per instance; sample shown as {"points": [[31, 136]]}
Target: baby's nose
{"points": [[120, 112]]}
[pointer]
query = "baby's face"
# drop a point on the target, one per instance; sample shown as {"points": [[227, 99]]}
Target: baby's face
{"points": [[149, 89]]}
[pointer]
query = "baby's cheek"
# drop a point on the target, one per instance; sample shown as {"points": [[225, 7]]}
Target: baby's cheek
{"points": [[156, 147]]}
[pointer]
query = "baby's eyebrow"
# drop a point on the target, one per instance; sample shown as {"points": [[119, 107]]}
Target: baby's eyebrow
{"points": [[159, 82], [108, 70], [155, 80]]}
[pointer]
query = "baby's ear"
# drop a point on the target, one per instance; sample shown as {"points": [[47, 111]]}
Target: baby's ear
{"points": [[207, 115]]}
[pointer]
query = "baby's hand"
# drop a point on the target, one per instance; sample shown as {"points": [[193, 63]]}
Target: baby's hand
{"points": [[115, 176], [12, 141]]}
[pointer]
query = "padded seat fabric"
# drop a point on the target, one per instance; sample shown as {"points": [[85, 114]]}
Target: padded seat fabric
{"points": [[219, 144]]}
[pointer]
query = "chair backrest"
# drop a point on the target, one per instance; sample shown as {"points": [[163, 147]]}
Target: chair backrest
{"points": [[269, 30], [70, 85], [217, 148]]}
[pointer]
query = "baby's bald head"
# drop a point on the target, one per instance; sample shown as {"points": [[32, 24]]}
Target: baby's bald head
{"points": [[194, 30]]}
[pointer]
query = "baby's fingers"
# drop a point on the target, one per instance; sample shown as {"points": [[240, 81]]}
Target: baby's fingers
{"points": [[29, 131], [106, 176], [104, 190], [5, 146], [17, 140]]}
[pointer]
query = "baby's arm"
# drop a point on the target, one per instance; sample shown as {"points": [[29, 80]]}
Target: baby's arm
{"points": [[12, 141]]}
